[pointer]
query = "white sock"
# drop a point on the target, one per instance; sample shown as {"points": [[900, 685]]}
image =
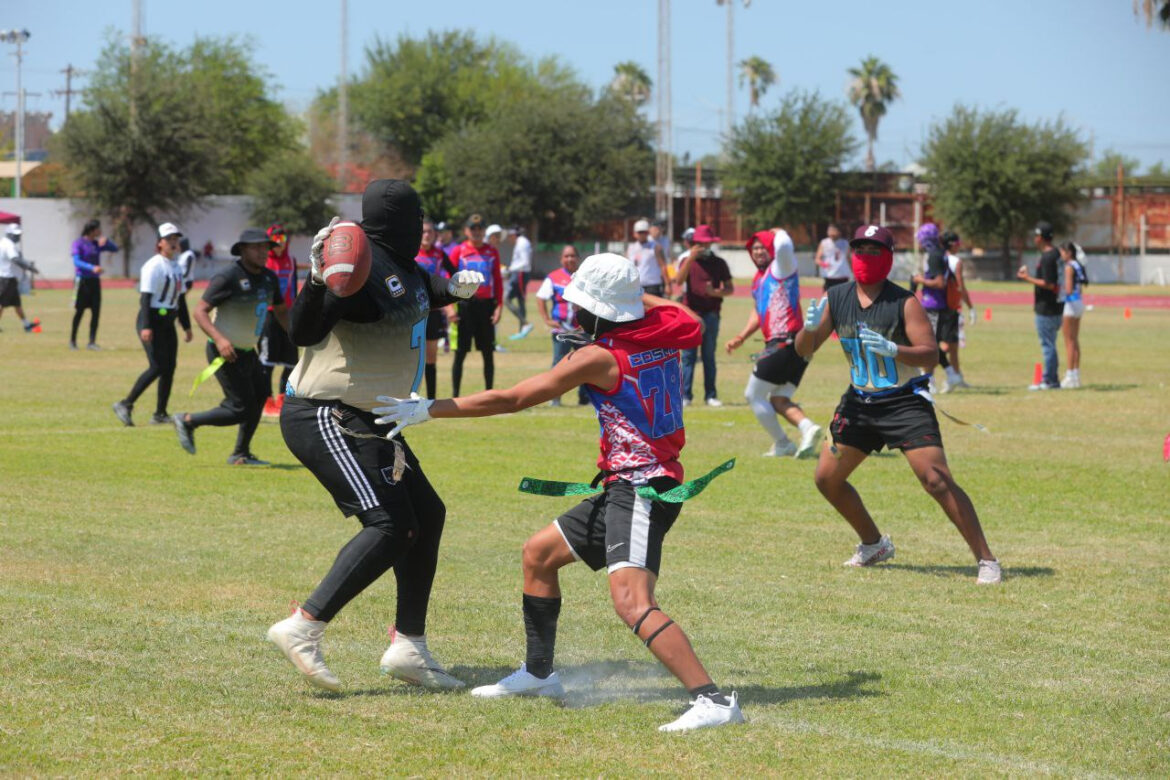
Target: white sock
{"points": [[805, 425]]}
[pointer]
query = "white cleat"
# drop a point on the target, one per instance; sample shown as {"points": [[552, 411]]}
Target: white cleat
{"points": [[409, 660], [714, 402], [785, 450], [810, 442], [989, 573], [521, 683], [300, 640], [869, 554], [705, 713]]}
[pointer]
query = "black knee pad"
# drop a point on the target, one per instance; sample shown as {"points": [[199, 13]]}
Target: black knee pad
{"points": [[402, 530]]}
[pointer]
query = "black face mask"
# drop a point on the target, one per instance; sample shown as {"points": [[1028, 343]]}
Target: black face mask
{"points": [[392, 217]]}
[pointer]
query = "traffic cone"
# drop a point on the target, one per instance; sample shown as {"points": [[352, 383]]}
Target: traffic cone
{"points": [[987, 314], [1166, 449], [1127, 314], [1038, 374]]}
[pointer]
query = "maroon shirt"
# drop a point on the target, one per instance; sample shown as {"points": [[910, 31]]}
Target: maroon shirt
{"points": [[707, 271]]}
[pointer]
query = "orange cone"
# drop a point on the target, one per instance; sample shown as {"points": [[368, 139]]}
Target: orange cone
{"points": [[987, 314], [1127, 314], [1038, 374]]}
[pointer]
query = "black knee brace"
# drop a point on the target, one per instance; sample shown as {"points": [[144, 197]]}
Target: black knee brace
{"points": [[638, 626], [378, 519]]}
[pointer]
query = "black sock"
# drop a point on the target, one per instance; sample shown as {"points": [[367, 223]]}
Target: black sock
{"points": [[429, 373], [540, 624], [711, 691]]}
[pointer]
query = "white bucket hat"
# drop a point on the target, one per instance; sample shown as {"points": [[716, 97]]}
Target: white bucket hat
{"points": [[608, 286]]}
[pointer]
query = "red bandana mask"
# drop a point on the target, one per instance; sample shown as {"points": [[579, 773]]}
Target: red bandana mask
{"points": [[872, 269]]}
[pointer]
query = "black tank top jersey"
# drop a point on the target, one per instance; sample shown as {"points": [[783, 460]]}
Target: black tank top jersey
{"points": [[870, 373]]}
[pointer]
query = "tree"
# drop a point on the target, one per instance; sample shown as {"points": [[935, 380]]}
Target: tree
{"points": [[781, 163], [156, 136], [759, 75], [630, 82], [873, 88], [993, 176], [1158, 171], [292, 190], [1106, 167], [564, 160]]}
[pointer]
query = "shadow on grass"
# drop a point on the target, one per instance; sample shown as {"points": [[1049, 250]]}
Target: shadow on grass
{"points": [[286, 466], [985, 390], [971, 571], [851, 686], [1108, 388]]}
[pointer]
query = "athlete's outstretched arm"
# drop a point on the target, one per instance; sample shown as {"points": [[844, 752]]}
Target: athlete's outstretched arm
{"points": [[753, 324], [816, 328]]}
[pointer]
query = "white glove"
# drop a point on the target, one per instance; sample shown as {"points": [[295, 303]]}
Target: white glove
{"points": [[315, 252], [877, 343], [402, 412], [463, 284], [815, 313], [971, 315]]}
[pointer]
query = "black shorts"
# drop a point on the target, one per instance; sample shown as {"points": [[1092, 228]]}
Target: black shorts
{"points": [[902, 421], [87, 292], [276, 348], [475, 325], [436, 325], [780, 365], [618, 528], [9, 291], [360, 474], [945, 323]]}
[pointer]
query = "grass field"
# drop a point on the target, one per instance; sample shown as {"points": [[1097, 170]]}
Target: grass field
{"points": [[139, 581]]}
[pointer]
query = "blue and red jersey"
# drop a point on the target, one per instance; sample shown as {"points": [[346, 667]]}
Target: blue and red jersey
{"points": [[777, 304], [641, 417], [284, 266], [561, 310], [485, 259], [433, 261]]}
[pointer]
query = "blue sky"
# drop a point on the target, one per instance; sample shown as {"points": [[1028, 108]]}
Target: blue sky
{"points": [[1088, 60]]}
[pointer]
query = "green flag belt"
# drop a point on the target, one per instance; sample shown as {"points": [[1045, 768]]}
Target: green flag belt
{"points": [[676, 495], [206, 374]]}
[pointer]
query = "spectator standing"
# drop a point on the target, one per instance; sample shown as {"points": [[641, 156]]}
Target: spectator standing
{"points": [[87, 279], [650, 260], [559, 314], [936, 281], [478, 316], [832, 258], [708, 281], [519, 269], [446, 241], [1075, 278], [186, 261], [432, 260], [12, 263], [957, 297], [276, 348], [1046, 305]]}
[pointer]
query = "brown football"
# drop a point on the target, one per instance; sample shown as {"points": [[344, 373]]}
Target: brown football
{"points": [[346, 259]]}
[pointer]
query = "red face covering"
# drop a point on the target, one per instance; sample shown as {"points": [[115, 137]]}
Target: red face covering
{"points": [[872, 269]]}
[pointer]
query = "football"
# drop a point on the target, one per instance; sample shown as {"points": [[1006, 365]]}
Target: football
{"points": [[346, 259]]}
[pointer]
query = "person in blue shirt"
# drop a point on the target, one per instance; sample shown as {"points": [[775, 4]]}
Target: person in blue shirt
{"points": [[87, 279]]}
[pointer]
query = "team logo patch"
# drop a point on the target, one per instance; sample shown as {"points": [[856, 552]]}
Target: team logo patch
{"points": [[388, 475], [245, 285], [395, 286], [420, 295]]}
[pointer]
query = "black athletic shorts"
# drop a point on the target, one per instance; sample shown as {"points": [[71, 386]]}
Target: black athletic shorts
{"points": [[902, 421], [945, 323], [436, 324], [780, 365], [275, 347], [9, 291], [618, 528], [475, 325], [359, 473], [87, 292]]}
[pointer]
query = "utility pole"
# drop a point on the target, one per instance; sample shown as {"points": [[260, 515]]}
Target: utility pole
{"points": [[343, 104], [18, 37], [136, 41], [664, 172], [731, 62], [69, 91]]}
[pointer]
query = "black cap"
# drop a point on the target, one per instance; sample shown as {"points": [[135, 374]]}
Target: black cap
{"points": [[1044, 230], [251, 235], [474, 221]]}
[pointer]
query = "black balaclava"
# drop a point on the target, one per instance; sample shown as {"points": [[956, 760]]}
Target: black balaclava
{"points": [[392, 217]]}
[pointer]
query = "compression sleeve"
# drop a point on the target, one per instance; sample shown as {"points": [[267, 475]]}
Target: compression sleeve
{"points": [[437, 287], [81, 265], [184, 315], [144, 314]]}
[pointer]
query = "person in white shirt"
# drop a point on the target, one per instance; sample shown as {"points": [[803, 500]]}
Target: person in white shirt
{"points": [[519, 270], [12, 263], [833, 258], [650, 260]]}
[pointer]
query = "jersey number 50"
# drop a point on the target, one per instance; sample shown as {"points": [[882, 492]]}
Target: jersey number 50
{"points": [[867, 369]]}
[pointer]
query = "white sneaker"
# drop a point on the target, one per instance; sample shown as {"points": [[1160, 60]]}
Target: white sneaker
{"points": [[409, 660], [960, 382], [705, 713], [869, 554], [521, 683], [300, 640], [810, 442], [989, 573], [714, 402], [1043, 386], [785, 450]]}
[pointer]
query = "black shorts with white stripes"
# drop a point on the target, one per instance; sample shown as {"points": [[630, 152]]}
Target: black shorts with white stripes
{"points": [[359, 473], [618, 528]]}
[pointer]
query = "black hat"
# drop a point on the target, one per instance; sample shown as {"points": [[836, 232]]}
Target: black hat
{"points": [[948, 238], [474, 221], [251, 236], [1044, 230], [441, 226]]}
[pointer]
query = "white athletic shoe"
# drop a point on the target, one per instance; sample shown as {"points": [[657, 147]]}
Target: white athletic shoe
{"points": [[409, 660], [714, 402], [810, 442], [869, 554], [785, 450], [989, 573], [705, 713], [300, 640], [521, 683]]}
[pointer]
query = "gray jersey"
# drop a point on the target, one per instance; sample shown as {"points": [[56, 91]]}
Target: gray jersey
{"points": [[870, 373]]}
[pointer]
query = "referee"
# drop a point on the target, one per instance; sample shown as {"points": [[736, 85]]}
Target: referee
{"points": [[240, 296], [356, 348]]}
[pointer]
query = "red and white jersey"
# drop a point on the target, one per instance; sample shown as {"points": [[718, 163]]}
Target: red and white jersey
{"points": [[642, 416], [485, 259]]}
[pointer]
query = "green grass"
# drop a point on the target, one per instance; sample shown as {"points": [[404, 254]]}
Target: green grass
{"points": [[138, 582]]}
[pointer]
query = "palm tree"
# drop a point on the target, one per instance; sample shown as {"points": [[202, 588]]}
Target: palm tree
{"points": [[759, 75], [630, 82], [873, 88]]}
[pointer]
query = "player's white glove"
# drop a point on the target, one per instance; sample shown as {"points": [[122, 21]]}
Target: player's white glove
{"points": [[877, 343], [402, 412], [971, 315], [319, 240], [463, 284], [815, 313]]}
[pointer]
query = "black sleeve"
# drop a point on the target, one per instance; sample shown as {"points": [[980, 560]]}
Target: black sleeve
{"points": [[277, 298], [144, 311], [219, 289], [1049, 270], [316, 310], [437, 286], [447, 265], [184, 315]]}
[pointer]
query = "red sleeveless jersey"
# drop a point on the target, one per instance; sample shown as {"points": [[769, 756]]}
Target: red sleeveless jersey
{"points": [[642, 416]]}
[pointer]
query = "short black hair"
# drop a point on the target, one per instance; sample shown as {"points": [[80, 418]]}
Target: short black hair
{"points": [[91, 226]]}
